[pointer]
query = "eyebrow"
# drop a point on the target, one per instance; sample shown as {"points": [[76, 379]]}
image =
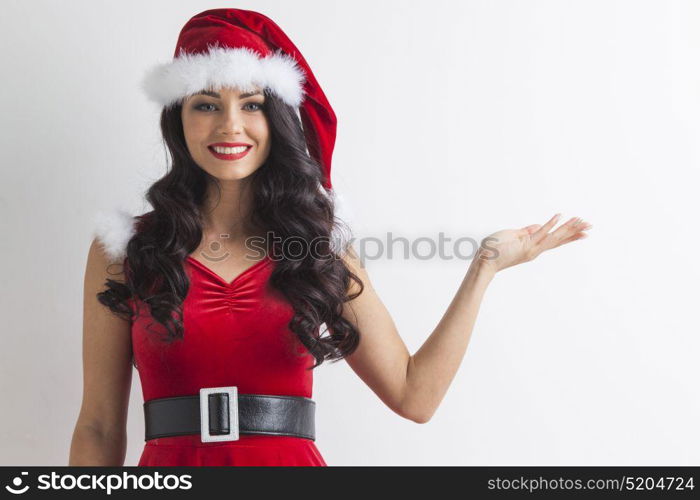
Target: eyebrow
{"points": [[218, 96]]}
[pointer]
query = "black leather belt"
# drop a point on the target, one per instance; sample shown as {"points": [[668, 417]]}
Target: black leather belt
{"points": [[221, 414]]}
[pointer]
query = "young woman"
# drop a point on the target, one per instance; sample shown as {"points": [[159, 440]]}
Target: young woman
{"points": [[218, 295]]}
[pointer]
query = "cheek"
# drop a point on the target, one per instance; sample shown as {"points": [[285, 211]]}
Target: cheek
{"points": [[262, 132], [193, 127]]}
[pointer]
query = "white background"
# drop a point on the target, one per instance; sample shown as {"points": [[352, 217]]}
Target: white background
{"points": [[464, 117]]}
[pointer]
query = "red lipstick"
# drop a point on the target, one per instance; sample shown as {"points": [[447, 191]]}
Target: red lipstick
{"points": [[229, 157]]}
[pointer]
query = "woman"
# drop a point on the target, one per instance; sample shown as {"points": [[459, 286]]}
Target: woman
{"points": [[221, 290]]}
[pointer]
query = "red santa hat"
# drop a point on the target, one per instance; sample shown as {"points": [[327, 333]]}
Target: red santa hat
{"points": [[241, 49], [244, 49]]}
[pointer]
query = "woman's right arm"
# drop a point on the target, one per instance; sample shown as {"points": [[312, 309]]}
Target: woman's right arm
{"points": [[99, 437]]}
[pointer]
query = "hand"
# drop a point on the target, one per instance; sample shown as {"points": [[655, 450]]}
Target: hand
{"points": [[510, 247]]}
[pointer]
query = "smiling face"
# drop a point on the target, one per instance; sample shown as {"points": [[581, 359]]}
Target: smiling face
{"points": [[227, 132]]}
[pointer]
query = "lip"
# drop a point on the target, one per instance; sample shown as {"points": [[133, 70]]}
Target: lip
{"points": [[229, 144], [230, 157]]}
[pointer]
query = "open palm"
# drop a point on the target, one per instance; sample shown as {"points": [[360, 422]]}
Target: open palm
{"points": [[510, 247]]}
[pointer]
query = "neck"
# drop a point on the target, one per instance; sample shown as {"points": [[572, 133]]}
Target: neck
{"points": [[226, 209]]}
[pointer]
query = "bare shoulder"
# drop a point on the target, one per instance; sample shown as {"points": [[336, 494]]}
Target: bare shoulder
{"points": [[356, 266], [100, 267], [101, 264]]}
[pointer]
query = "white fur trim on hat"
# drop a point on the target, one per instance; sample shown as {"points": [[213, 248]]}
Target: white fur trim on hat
{"points": [[240, 68], [114, 229]]}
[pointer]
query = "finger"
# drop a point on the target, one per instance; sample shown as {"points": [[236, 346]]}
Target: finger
{"points": [[568, 229], [577, 236], [538, 236]]}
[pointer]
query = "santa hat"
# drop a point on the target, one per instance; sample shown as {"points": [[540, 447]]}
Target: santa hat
{"points": [[244, 49], [241, 49]]}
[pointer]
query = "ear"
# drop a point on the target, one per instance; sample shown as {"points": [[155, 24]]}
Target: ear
{"points": [[114, 229]]}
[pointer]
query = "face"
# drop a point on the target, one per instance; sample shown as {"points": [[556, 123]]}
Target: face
{"points": [[231, 122]]}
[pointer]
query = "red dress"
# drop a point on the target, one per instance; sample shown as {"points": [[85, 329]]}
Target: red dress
{"points": [[234, 334]]}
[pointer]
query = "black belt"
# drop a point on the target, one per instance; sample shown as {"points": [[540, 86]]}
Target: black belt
{"points": [[227, 413]]}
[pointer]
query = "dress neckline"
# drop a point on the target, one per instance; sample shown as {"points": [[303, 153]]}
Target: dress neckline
{"points": [[245, 272]]}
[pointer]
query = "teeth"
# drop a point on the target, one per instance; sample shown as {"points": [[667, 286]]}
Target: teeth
{"points": [[230, 151]]}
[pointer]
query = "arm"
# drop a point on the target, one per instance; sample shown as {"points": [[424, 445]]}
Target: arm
{"points": [[414, 385], [431, 369], [411, 386], [99, 437]]}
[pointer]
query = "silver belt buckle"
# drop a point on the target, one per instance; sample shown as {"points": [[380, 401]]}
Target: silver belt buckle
{"points": [[204, 393]]}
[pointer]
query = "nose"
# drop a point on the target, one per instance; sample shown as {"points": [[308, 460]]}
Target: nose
{"points": [[232, 122]]}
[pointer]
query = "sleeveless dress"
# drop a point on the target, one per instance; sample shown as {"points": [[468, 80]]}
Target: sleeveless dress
{"points": [[234, 334]]}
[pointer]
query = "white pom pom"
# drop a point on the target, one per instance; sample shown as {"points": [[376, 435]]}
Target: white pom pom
{"points": [[343, 209], [342, 229], [114, 229]]}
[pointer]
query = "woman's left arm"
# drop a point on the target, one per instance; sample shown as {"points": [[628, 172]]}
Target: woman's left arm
{"points": [[414, 385]]}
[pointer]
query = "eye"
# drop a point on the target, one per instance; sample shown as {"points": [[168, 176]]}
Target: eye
{"points": [[204, 104], [259, 105]]}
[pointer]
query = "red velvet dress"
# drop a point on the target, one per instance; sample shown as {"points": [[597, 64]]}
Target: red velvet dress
{"points": [[235, 334]]}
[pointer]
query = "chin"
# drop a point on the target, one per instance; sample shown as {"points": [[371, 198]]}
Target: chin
{"points": [[230, 173]]}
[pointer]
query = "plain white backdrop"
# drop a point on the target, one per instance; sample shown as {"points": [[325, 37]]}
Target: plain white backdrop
{"points": [[461, 117]]}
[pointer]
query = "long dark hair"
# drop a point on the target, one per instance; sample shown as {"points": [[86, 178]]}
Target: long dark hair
{"points": [[287, 201]]}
